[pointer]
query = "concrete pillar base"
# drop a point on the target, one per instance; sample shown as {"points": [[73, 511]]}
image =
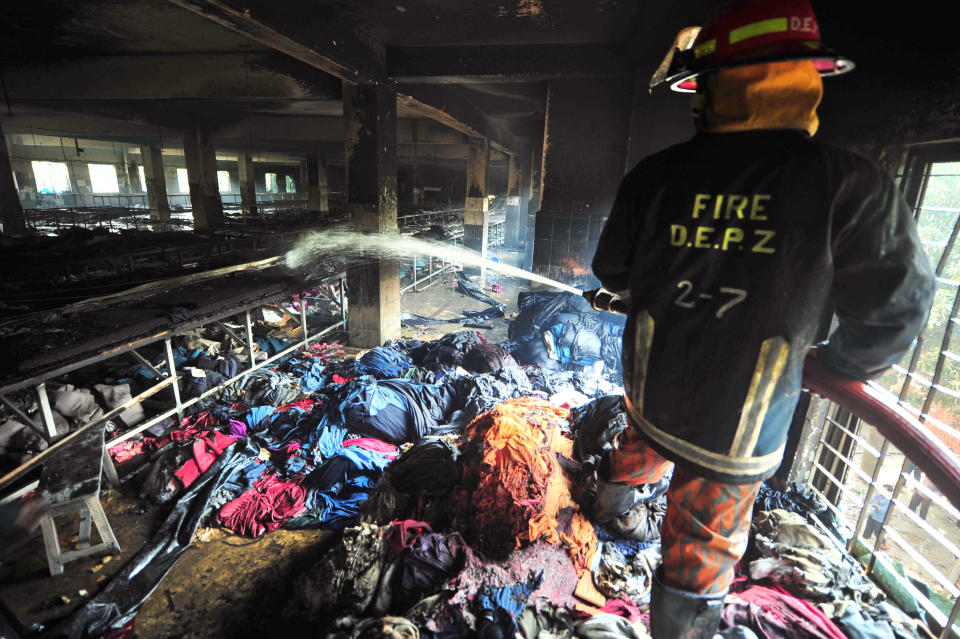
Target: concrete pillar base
{"points": [[248, 189], [152, 157], [374, 315]]}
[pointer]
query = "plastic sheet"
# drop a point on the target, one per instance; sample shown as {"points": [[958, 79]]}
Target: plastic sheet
{"points": [[119, 601]]}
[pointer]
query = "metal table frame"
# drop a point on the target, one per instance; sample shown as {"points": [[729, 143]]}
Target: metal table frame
{"points": [[167, 379]]}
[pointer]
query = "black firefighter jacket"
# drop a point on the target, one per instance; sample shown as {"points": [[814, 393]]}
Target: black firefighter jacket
{"points": [[733, 245]]}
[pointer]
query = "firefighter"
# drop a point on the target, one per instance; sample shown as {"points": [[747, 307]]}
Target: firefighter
{"points": [[730, 247]]}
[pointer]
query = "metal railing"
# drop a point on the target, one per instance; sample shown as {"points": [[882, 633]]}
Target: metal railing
{"points": [[420, 282], [847, 457]]}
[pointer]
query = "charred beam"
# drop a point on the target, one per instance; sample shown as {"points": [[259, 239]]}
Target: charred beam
{"points": [[320, 40], [524, 63]]}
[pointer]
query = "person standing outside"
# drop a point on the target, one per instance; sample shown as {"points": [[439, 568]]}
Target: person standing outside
{"points": [[731, 247], [877, 513]]}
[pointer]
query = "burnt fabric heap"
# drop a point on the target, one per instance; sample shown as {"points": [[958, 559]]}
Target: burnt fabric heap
{"points": [[561, 331], [488, 358], [797, 580], [455, 470], [805, 561], [444, 353], [597, 426], [799, 500], [514, 488]]}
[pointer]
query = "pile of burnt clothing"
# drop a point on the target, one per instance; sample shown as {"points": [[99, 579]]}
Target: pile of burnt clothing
{"points": [[481, 459], [514, 488], [70, 407], [797, 580], [561, 331], [444, 354], [476, 533]]}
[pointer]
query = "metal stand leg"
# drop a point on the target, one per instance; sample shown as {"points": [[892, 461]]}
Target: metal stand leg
{"points": [[175, 387], [303, 319], [249, 326], [45, 410]]}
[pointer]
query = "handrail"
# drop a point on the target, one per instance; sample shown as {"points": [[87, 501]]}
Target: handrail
{"points": [[891, 420]]}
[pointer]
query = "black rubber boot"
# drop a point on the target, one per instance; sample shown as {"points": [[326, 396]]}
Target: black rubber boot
{"points": [[681, 614]]}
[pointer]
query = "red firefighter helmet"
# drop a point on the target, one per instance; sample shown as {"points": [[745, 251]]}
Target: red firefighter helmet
{"points": [[749, 32]]}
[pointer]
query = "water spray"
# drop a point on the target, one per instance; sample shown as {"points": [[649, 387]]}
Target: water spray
{"points": [[353, 244]]}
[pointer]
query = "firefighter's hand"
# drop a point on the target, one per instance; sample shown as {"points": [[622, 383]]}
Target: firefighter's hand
{"points": [[590, 296], [603, 300]]}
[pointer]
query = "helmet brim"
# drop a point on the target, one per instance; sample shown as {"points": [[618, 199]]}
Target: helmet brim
{"points": [[682, 78]]}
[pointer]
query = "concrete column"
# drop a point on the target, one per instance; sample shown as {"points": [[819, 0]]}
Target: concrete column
{"points": [[476, 215], [512, 239], [201, 159], [12, 220], [370, 121], [582, 168], [248, 188], [130, 170], [318, 192], [156, 180]]}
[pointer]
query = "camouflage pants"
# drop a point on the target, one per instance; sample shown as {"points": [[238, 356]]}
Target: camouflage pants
{"points": [[707, 525]]}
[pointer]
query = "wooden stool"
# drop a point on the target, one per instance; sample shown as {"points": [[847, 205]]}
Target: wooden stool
{"points": [[69, 482]]}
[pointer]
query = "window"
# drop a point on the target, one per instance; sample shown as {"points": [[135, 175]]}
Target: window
{"points": [[223, 181], [270, 180], [103, 178], [291, 186], [143, 178], [183, 182], [933, 384], [51, 177]]}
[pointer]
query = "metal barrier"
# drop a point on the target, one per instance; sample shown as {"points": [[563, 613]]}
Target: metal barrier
{"points": [[856, 407], [418, 282]]}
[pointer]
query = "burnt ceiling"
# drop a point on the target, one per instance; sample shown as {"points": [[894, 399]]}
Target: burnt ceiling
{"points": [[483, 64]]}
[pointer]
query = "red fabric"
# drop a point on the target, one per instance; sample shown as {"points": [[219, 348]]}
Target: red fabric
{"points": [[194, 426], [375, 445], [206, 449], [619, 607], [774, 613], [126, 631], [306, 405], [404, 533], [126, 450], [325, 351], [264, 508], [340, 380]]}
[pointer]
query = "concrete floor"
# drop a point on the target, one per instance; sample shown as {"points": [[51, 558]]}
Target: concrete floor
{"points": [[224, 585]]}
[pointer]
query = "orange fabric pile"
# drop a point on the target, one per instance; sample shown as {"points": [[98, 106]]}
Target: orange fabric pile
{"points": [[515, 491]]}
